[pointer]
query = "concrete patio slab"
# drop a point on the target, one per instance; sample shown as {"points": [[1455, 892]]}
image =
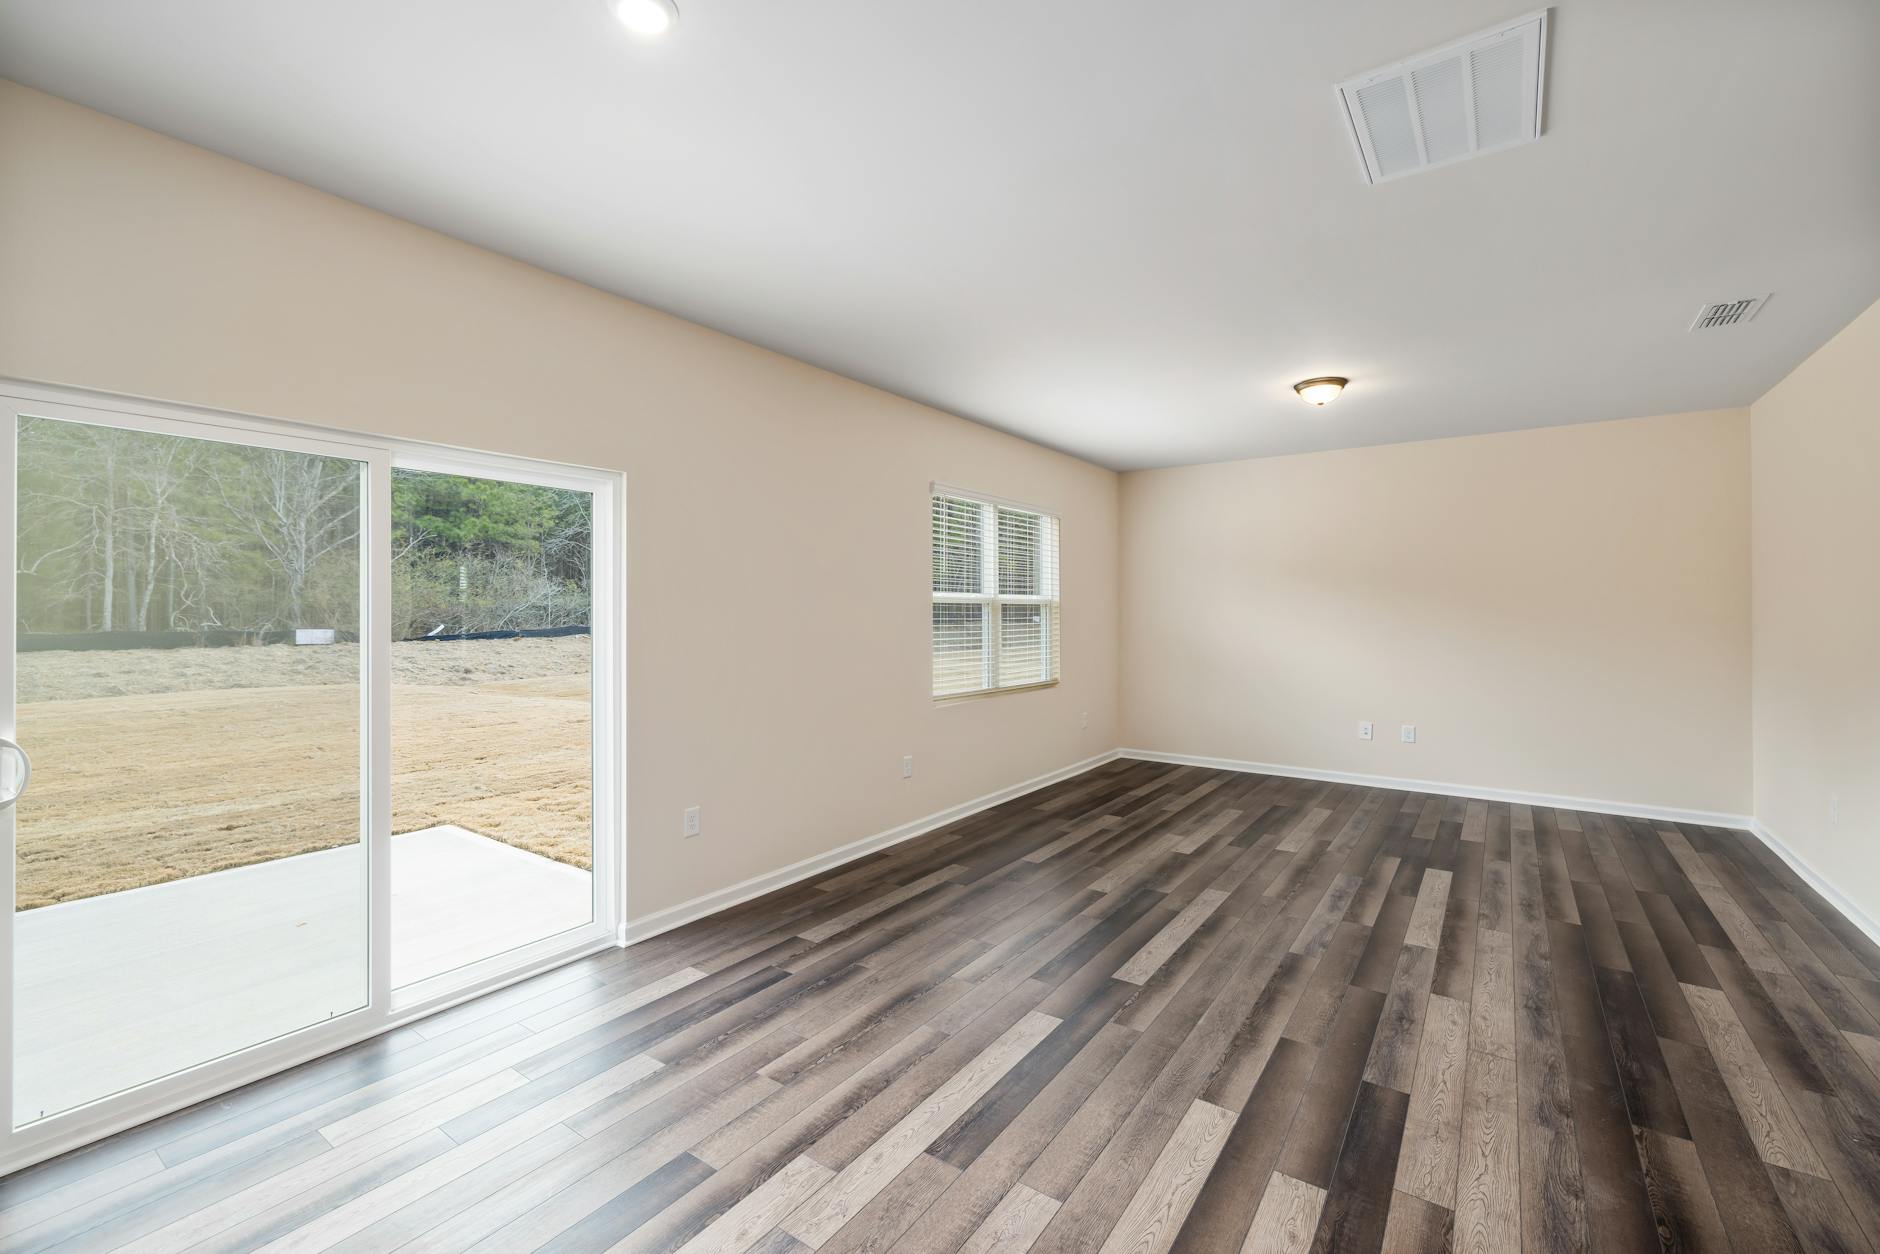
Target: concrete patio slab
{"points": [[120, 989]]}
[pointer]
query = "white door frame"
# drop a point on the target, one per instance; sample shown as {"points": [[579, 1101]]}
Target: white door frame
{"points": [[386, 1008]]}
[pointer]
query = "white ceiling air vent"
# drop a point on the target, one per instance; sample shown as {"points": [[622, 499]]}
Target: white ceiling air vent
{"points": [[1727, 313], [1451, 103]]}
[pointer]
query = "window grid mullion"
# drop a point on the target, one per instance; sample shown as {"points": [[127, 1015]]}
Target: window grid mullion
{"points": [[989, 588]]}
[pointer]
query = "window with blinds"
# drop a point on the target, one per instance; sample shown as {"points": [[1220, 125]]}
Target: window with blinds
{"points": [[995, 595]]}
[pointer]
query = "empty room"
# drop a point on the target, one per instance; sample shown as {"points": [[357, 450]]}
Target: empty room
{"points": [[785, 626]]}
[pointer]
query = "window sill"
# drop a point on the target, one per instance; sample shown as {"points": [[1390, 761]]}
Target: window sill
{"points": [[957, 698]]}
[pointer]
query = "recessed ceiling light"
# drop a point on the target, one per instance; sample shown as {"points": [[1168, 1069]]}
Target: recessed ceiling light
{"points": [[648, 19], [1321, 391]]}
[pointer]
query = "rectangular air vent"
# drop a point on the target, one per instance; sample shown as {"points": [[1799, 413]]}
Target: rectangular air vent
{"points": [[1727, 313], [1451, 103]]}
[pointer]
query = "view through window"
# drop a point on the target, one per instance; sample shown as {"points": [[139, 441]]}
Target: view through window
{"points": [[189, 858], [492, 717]]}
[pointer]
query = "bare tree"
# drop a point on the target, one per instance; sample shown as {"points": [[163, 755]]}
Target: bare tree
{"points": [[160, 471], [298, 507], [86, 499]]}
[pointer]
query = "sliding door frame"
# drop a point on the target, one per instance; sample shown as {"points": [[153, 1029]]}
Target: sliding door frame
{"points": [[385, 1008], [607, 762]]}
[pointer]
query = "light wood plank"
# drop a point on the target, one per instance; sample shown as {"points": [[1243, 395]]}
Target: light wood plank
{"points": [[1149, 959], [1772, 1124], [1426, 921], [1426, 1162], [1014, 1224], [741, 1227], [836, 1203], [1491, 1005], [1287, 1218], [1488, 1177], [1149, 1223]]}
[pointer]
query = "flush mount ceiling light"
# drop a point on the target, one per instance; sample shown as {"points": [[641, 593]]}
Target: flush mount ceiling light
{"points": [[648, 19], [1320, 391]]}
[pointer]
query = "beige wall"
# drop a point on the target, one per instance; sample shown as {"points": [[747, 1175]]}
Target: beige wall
{"points": [[1562, 611], [777, 514], [1815, 527]]}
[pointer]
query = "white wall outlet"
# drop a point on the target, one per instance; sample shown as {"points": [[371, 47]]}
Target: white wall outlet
{"points": [[1409, 733], [907, 767], [691, 821], [1083, 720], [1834, 811], [1364, 731]]}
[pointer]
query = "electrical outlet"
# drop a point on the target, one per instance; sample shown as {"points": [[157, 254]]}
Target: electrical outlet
{"points": [[691, 821], [1834, 811], [1083, 720], [1364, 731], [907, 767], [1409, 733]]}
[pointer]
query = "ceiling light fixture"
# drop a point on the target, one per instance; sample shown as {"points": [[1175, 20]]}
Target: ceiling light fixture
{"points": [[648, 19], [1321, 391]]}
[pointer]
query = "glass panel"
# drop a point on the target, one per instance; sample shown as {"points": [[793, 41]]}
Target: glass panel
{"points": [[190, 858], [959, 648], [958, 544], [492, 718], [1022, 655], [1021, 554]]}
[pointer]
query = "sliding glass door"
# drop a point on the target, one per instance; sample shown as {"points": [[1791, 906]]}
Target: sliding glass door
{"points": [[189, 860], [303, 736]]}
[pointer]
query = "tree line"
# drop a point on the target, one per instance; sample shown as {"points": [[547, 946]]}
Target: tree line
{"points": [[124, 530]]}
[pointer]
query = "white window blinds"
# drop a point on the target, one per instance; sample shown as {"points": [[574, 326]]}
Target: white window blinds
{"points": [[995, 595]]}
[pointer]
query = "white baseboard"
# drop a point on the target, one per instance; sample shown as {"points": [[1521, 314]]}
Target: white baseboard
{"points": [[1813, 878], [1591, 805], [636, 930]]}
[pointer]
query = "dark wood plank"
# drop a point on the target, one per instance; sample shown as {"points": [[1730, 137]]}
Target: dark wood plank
{"points": [[1358, 1200], [1318, 1130]]}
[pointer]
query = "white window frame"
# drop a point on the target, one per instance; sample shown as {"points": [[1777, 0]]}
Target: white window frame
{"points": [[386, 1008], [990, 598]]}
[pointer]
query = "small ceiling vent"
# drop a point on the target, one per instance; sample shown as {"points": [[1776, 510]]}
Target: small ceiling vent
{"points": [[1451, 103], [1727, 313]]}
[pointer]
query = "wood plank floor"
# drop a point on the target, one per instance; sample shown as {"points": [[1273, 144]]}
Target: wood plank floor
{"points": [[1149, 1008]]}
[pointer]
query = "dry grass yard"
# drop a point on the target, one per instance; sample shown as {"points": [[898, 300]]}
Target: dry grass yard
{"points": [[154, 765]]}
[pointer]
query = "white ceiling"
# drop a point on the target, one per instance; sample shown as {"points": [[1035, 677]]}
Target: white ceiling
{"points": [[1118, 228]]}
